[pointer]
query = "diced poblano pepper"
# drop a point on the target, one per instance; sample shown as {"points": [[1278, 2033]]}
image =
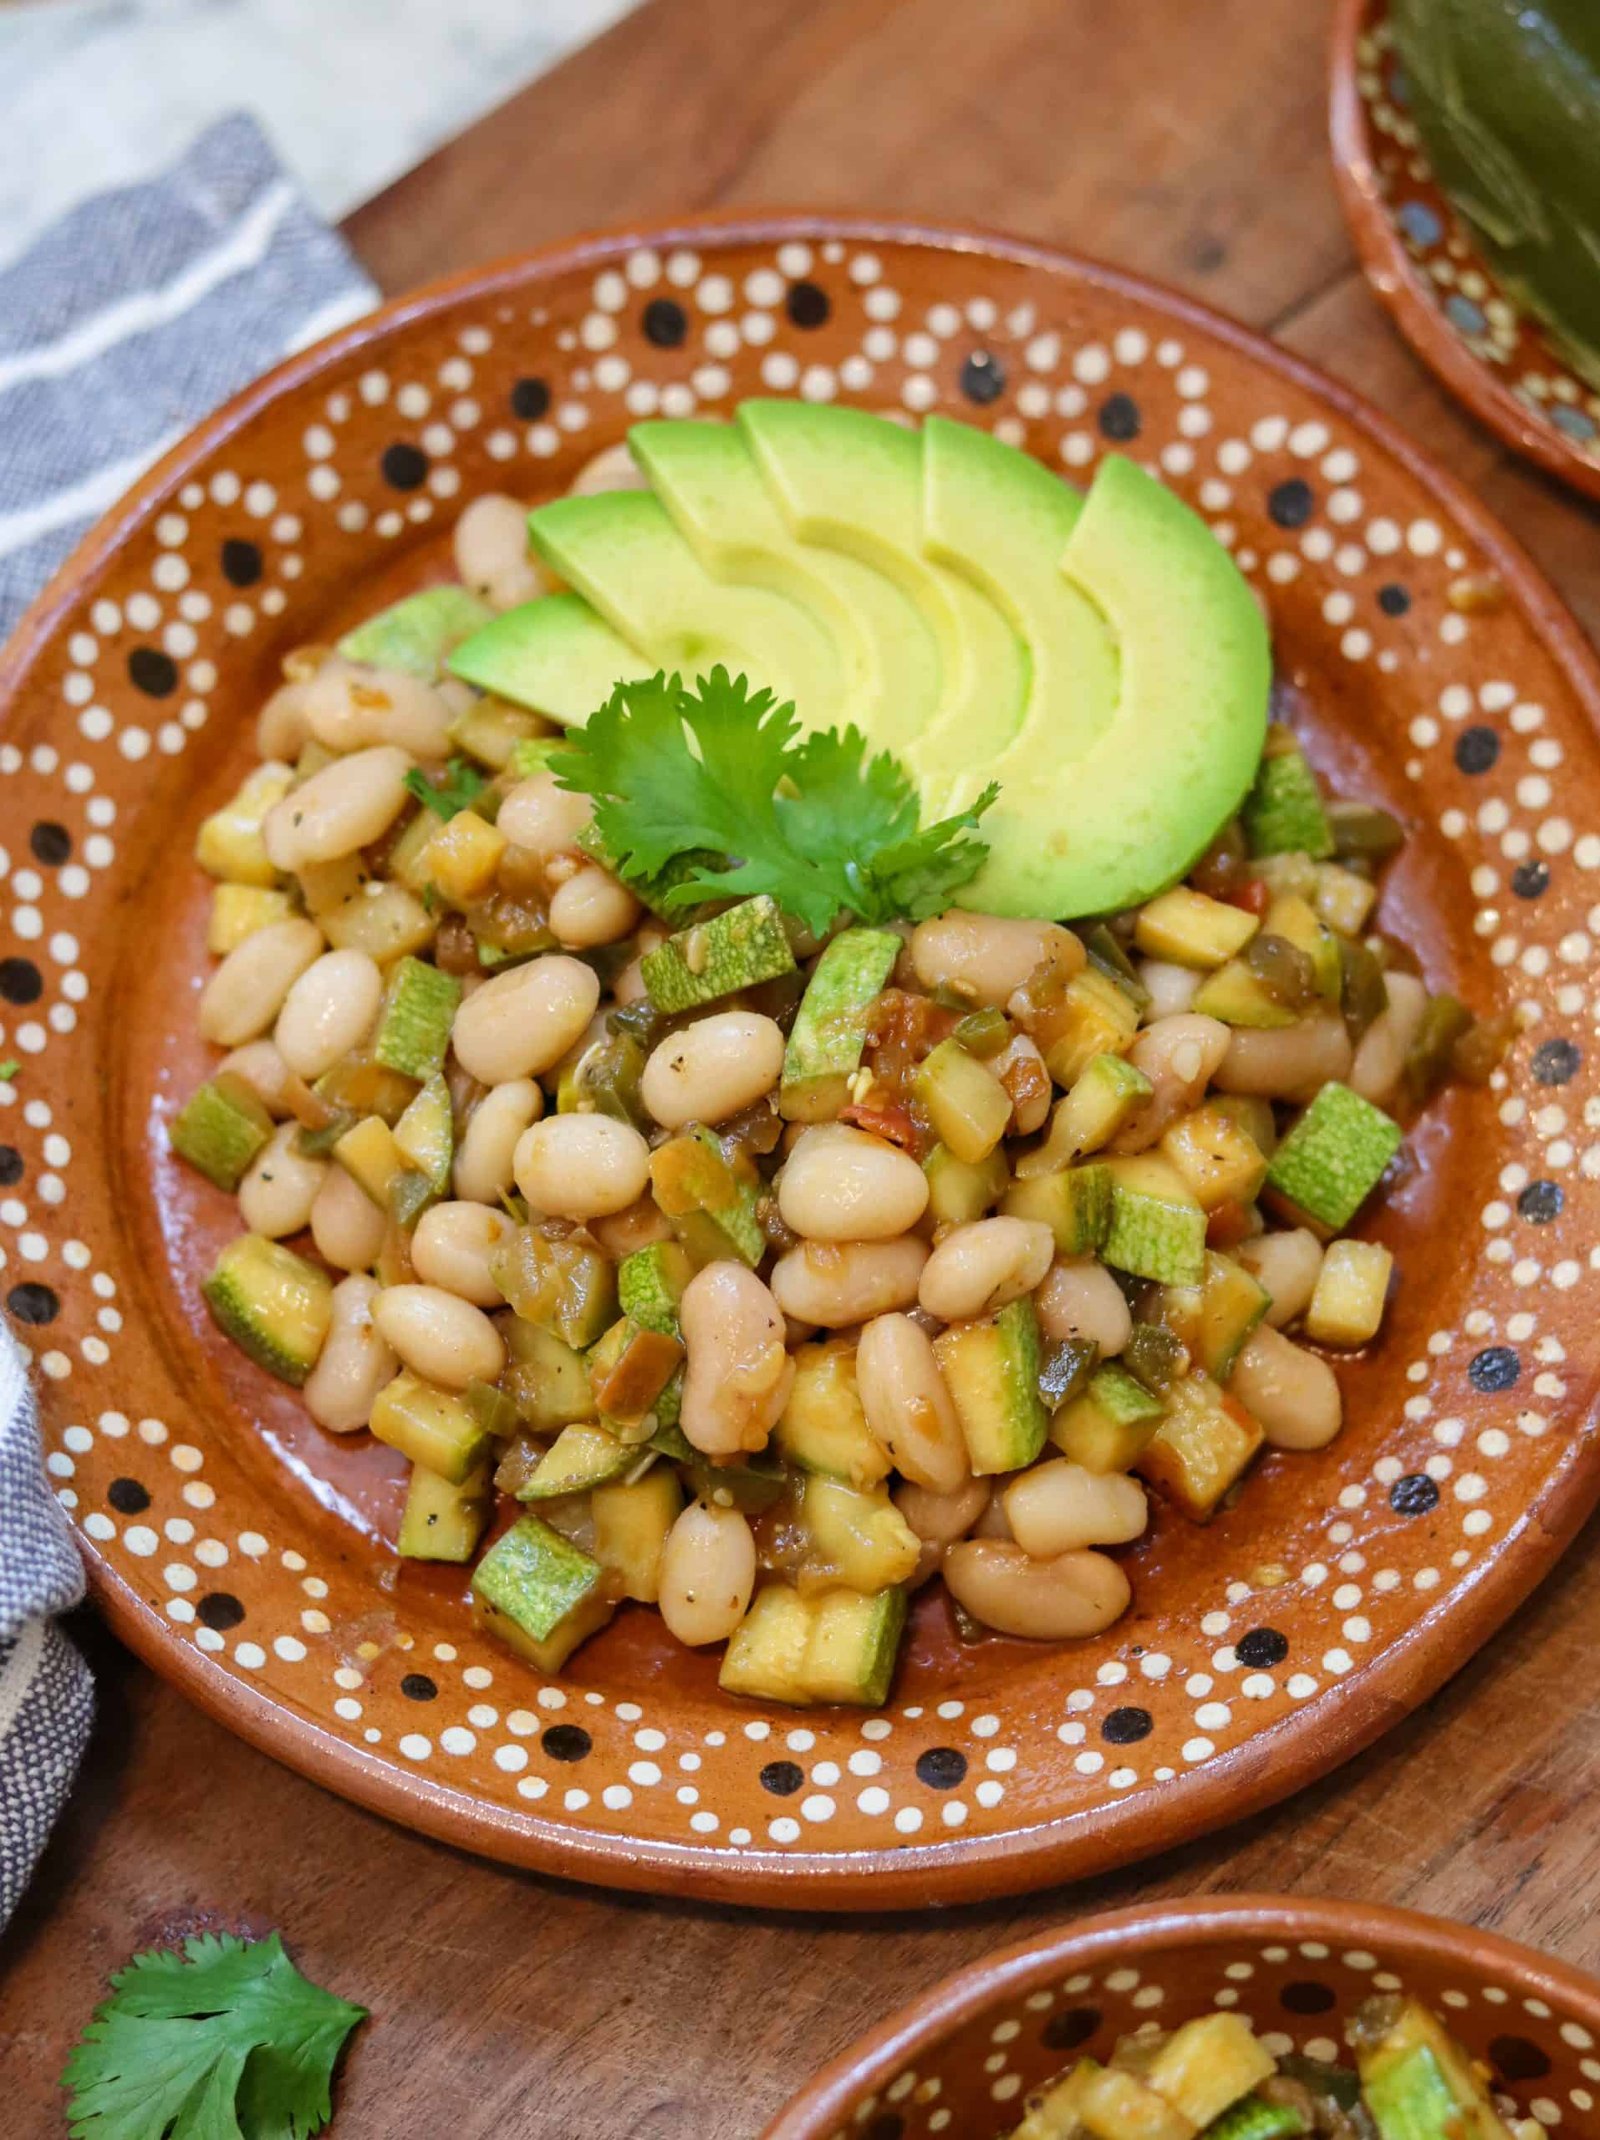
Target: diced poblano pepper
{"points": [[1065, 1369], [708, 1199], [829, 1031], [221, 1128], [238, 910], [1283, 812], [1191, 929], [436, 1428], [1352, 1288], [1218, 1161], [415, 635], [736, 949], [1334, 1157], [823, 1428], [650, 1285], [1157, 1229], [1200, 1448], [540, 1594], [413, 1029], [444, 1519], [1298, 923], [960, 1190], [1107, 1427], [274, 1305], [631, 1522], [629, 1369], [966, 1103], [582, 1456], [1075, 1204], [229, 844], [750, 1486], [1155, 1357], [1207, 2064], [834, 1646], [992, 1370]]}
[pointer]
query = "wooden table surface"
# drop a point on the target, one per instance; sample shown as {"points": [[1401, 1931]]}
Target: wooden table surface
{"points": [[1187, 141]]}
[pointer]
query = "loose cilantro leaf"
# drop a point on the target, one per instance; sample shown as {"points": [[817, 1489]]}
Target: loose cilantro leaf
{"points": [[810, 819], [8, 1071], [459, 789], [227, 2041]]}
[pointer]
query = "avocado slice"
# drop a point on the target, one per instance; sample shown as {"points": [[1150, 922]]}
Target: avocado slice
{"points": [[553, 655], [704, 475], [416, 635]]}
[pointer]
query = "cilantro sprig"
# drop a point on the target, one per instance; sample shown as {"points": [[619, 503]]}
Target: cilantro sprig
{"points": [[227, 2041], [725, 774], [459, 788]]}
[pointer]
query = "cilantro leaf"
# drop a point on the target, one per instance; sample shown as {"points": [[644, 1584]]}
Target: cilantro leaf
{"points": [[723, 774], [8, 1071], [227, 2041], [462, 784]]}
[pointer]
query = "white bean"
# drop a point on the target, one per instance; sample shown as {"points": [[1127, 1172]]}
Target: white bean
{"points": [[836, 1283], [345, 806], [347, 1226], [281, 725], [1291, 1062], [1081, 1299], [451, 1248], [542, 819], [264, 1071], [592, 908], [521, 1023], [738, 1377], [641, 1225], [246, 992], [979, 1267], [1060, 1507], [629, 986], [486, 1155], [491, 552], [712, 1069], [612, 468], [985, 958], [1172, 988], [328, 1011], [708, 1571], [1179, 1055], [840, 1184], [1292, 1394], [907, 1407], [1287, 1265], [355, 1361], [445, 1340], [276, 1195], [1381, 1055], [350, 706], [940, 1519], [581, 1166], [1055, 1600]]}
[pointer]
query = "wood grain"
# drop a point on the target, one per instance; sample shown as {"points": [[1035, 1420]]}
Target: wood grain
{"points": [[1187, 144]]}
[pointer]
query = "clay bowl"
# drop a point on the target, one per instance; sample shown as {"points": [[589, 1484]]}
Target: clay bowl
{"points": [[963, 2059], [1424, 261], [248, 1555]]}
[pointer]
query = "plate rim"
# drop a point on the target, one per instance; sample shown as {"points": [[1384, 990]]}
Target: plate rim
{"points": [[1261, 1772]]}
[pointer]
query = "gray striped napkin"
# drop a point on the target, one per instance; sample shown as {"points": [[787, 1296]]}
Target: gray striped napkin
{"points": [[127, 322]]}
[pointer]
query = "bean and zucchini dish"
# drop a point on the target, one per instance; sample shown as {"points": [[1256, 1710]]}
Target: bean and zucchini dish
{"points": [[798, 1030]]}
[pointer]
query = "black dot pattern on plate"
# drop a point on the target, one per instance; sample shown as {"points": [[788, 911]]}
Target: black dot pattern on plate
{"points": [[51, 843], [1477, 749], [782, 1778], [1064, 2032], [942, 1768], [241, 562], [34, 1303], [1541, 1202], [1261, 1648], [219, 1610], [1124, 1727], [665, 323], [128, 1497], [1393, 599], [1306, 1997], [983, 378], [530, 399], [1291, 503], [807, 304], [405, 467], [1555, 1062], [1494, 1369], [1413, 1495], [566, 1742], [418, 1687], [1119, 418], [887, 2125], [20, 981], [152, 672], [1530, 880], [1514, 2058], [11, 1168]]}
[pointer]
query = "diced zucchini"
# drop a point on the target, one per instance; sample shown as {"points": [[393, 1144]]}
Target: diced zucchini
{"points": [[384, 920], [407, 856], [425, 1137], [1219, 1163], [1093, 1017], [1190, 928], [736, 949], [490, 731], [221, 1128], [229, 844], [836, 1646], [1155, 1357], [413, 1029], [1254, 2118], [540, 1594], [1075, 1204], [1108, 1427], [1239, 997], [274, 1305], [1201, 1447], [462, 857], [1065, 1370], [823, 1428], [535, 755], [370, 1156], [1297, 922], [992, 1370], [854, 1537], [708, 1199], [444, 1519], [650, 1285], [1351, 1291], [960, 1190], [753, 1484], [969, 1108], [416, 634], [492, 1409], [1283, 812], [1112, 2103], [546, 1380], [1333, 1158], [1104, 1095], [628, 1370], [325, 885], [766, 1653], [1416, 2081], [602, 1078], [238, 910], [1215, 1318], [1157, 1229], [1208, 2064], [631, 1522], [830, 1027], [563, 1282], [435, 1428], [580, 1457], [1343, 899], [1249, 1112]]}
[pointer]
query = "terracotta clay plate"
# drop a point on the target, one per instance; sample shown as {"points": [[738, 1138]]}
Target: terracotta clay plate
{"points": [[1425, 263], [248, 1555], [964, 2059]]}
